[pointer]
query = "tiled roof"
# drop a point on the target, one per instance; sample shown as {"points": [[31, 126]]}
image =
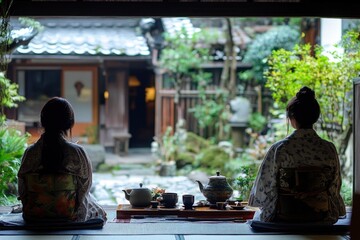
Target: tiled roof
{"points": [[85, 36]]}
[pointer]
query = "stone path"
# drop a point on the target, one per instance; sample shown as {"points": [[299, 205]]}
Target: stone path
{"points": [[139, 167]]}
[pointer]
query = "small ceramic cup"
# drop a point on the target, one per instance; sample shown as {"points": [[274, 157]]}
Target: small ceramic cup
{"points": [[188, 201], [154, 204], [169, 199]]}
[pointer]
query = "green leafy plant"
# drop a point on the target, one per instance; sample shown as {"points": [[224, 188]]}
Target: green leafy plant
{"points": [[245, 180], [8, 95], [12, 147], [12, 142], [281, 37], [29, 22], [331, 70], [346, 192], [257, 121], [181, 59], [330, 74], [212, 159], [164, 147], [212, 111]]}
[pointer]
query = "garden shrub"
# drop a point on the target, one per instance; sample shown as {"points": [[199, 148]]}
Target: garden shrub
{"points": [[192, 145], [12, 147], [282, 37], [213, 159]]}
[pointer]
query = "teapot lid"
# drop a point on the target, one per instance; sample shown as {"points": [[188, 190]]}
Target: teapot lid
{"points": [[140, 188], [217, 176]]}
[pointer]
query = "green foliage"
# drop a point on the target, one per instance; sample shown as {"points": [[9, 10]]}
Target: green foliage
{"points": [[282, 37], [212, 158], [182, 52], [181, 146], [259, 144], [8, 95], [29, 22], [182, 58], [346, 192], [194, 143], [166, 146], [183, 55], [212, 111], [333, 71], [5, 37], [12, 147], [245, 180], [294, 22], [257, 121]]}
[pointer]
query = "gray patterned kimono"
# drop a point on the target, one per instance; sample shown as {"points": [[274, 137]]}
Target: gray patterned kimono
{"points": [[302, 148], [77, 163]]}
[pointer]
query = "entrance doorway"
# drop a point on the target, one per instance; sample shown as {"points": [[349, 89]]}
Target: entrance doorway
{"points": [[141, 108]]}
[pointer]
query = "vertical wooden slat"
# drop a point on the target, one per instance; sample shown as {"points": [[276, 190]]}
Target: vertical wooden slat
{"points": [[189, 100], [158, 104]]}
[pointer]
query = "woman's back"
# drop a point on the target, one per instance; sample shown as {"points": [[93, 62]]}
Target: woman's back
{"points": [[308, 172], [54, 158], [299, 178], [305, 147]]}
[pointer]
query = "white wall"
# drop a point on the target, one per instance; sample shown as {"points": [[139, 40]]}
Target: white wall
{"points": [[330, 33]]}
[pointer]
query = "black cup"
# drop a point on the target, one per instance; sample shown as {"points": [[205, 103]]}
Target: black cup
{"points": [[188, 201], [169, 199]]}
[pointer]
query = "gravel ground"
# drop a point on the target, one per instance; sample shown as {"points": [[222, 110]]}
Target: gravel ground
{"points": [[108, 188]]}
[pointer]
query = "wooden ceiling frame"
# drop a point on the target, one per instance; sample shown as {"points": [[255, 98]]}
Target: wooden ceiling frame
{"points": [[171, 8]]}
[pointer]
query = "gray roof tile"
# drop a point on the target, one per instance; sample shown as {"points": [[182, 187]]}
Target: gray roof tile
{"points": [[84, 36]]}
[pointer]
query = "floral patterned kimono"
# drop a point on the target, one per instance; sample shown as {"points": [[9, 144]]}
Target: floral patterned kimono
{"points": [[64, 195], [303, 148]]}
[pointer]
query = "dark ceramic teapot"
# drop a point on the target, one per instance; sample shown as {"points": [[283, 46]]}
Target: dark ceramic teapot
{"points": [[138, 197], [217, 190]]}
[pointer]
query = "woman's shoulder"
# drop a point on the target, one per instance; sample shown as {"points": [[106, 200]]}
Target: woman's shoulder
{"points": [[73, 147], [280, 143], [74, 144], [76, 158], [34, 147]]}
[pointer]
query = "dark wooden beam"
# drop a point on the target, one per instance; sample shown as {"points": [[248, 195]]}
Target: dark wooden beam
{"points": [[216, 8]]}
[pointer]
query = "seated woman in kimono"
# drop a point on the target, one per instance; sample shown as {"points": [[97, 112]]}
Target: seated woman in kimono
{"points": [[55, 175], [299, 180]]}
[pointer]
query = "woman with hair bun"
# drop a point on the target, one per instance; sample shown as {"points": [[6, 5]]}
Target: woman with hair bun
{"points": [[55, 175], [299, 179]]}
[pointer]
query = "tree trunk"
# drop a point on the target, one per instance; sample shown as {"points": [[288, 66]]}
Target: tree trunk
{"points": [[232, 53], [227, 49]]}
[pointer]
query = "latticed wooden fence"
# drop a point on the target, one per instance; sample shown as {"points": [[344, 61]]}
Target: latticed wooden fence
{"points": [[166, 112]]}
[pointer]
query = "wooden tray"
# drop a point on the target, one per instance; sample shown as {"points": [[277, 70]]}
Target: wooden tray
{"points": [[124, 211]]}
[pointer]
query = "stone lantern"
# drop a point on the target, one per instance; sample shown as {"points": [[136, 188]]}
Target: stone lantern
{"points": [[239, 120]]}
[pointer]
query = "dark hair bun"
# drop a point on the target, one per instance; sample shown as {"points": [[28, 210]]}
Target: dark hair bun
{"points": [[305, 94]]}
